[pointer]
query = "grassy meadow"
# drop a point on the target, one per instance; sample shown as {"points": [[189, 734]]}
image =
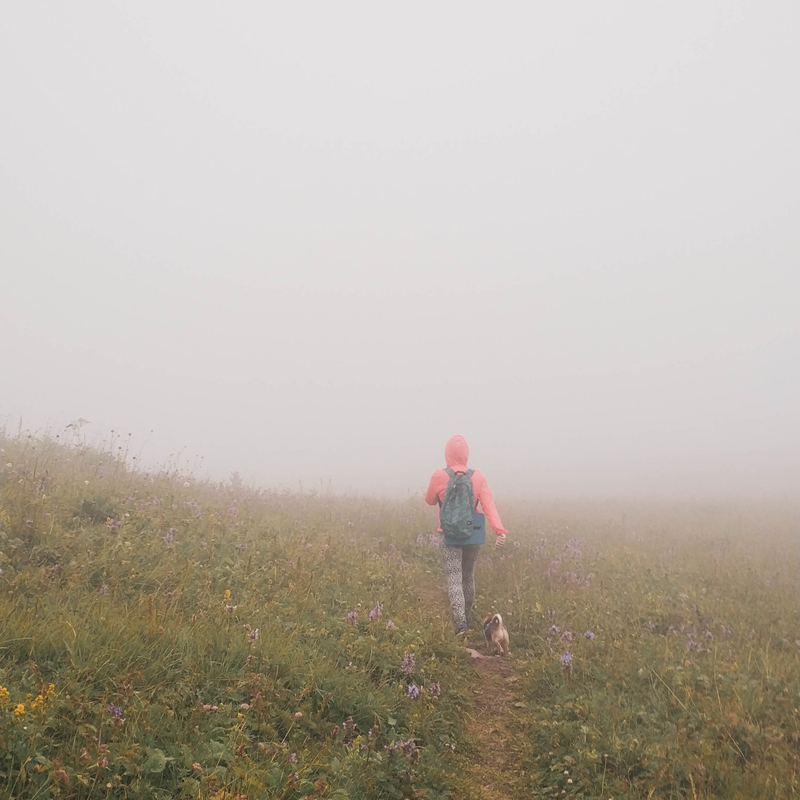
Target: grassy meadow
{"points": [[166, 637]]}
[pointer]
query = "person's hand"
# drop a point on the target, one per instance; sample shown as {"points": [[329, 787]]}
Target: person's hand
{"points": [[500, 540]]}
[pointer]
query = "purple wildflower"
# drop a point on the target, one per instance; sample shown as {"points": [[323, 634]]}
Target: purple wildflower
{"points": [[554, 629], [407, 664], [390, 626], [566, 636], [116, 712], [375, 613], [435, 541], [170, 537], [254, 634], [588, 635], [412, 691], [566, 661], [241, 547], [293, 758], [352, 617], [408, 749], [420, 540], [114, 525], [102, 590], [434, 690]]}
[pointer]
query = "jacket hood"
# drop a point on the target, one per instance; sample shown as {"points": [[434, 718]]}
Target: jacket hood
{"points": [[456, 453]]}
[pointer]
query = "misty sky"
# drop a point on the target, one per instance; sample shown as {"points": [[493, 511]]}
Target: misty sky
{"points": [[311, 241]]}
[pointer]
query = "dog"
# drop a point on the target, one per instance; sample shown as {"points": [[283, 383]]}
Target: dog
{"points": [[496, 634]]}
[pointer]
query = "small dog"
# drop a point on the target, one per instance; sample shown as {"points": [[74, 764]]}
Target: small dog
{"points": [[496, 633]]}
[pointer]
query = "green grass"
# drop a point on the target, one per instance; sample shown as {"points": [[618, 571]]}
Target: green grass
{"points": [[688, 689]]}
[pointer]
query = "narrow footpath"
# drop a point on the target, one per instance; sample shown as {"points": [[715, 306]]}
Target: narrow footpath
{"points": [[492, 757]]}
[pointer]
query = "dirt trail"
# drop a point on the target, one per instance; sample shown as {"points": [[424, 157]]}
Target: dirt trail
{"points": [[492, 756]]}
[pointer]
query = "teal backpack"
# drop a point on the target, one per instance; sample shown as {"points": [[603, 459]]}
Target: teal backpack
{"points": [[457, 511]]}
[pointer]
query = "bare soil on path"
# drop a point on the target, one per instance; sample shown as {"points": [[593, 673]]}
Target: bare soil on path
{"points": [[491, 760]]}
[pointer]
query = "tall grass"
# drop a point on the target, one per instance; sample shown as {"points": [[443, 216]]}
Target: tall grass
{"points": [[167, 637]]}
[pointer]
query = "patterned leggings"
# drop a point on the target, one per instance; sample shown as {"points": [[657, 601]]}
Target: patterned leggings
{"points": [[459, 566]]}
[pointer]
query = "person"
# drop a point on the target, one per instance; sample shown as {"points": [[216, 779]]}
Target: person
{"points": [[459, 560]]}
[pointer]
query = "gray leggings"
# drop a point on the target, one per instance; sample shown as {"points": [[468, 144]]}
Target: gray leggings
{"points": [[459, 566]]}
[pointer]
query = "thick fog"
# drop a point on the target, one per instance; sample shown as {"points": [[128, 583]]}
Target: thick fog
{"points": [[310, 242]]}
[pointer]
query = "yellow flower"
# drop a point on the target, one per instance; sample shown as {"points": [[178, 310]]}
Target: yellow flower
{"points": [[51, 690], [226, 598], [3, 695], [38, 703], [19, 709]]}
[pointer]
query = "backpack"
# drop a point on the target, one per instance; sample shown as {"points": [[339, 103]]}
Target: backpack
{"points": [[457, 509]]}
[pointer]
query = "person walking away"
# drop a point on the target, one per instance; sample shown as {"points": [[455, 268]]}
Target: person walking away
{"points": [[463, 527]]}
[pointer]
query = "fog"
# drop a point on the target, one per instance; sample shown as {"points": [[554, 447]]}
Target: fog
{"points": [[310, 242]]}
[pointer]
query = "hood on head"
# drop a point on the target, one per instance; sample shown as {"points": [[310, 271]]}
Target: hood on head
{"points": [[456, 453]]}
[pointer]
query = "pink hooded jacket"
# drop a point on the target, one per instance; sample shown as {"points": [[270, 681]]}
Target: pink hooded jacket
{"points": [[456, 453]]}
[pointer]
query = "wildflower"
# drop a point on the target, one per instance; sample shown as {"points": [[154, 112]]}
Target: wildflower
{"points": [[102, 762], [298, 714], [244, 707], [116, 712], [226, 598], [196, 767], [554, 629], [434, 690], [352, 617], [407, 664], [408, 749], [170, 537], [103, 589], [588, 635], [229, 607], [19, 709], [434, 540], [349, 725], [412, 691], [253, 635], [293, 758], [566, 636], [351, 667], [241, 547], [420, 540], [566, 661], [390, 626], [375, 613], [3, 695], [114, 524]]}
